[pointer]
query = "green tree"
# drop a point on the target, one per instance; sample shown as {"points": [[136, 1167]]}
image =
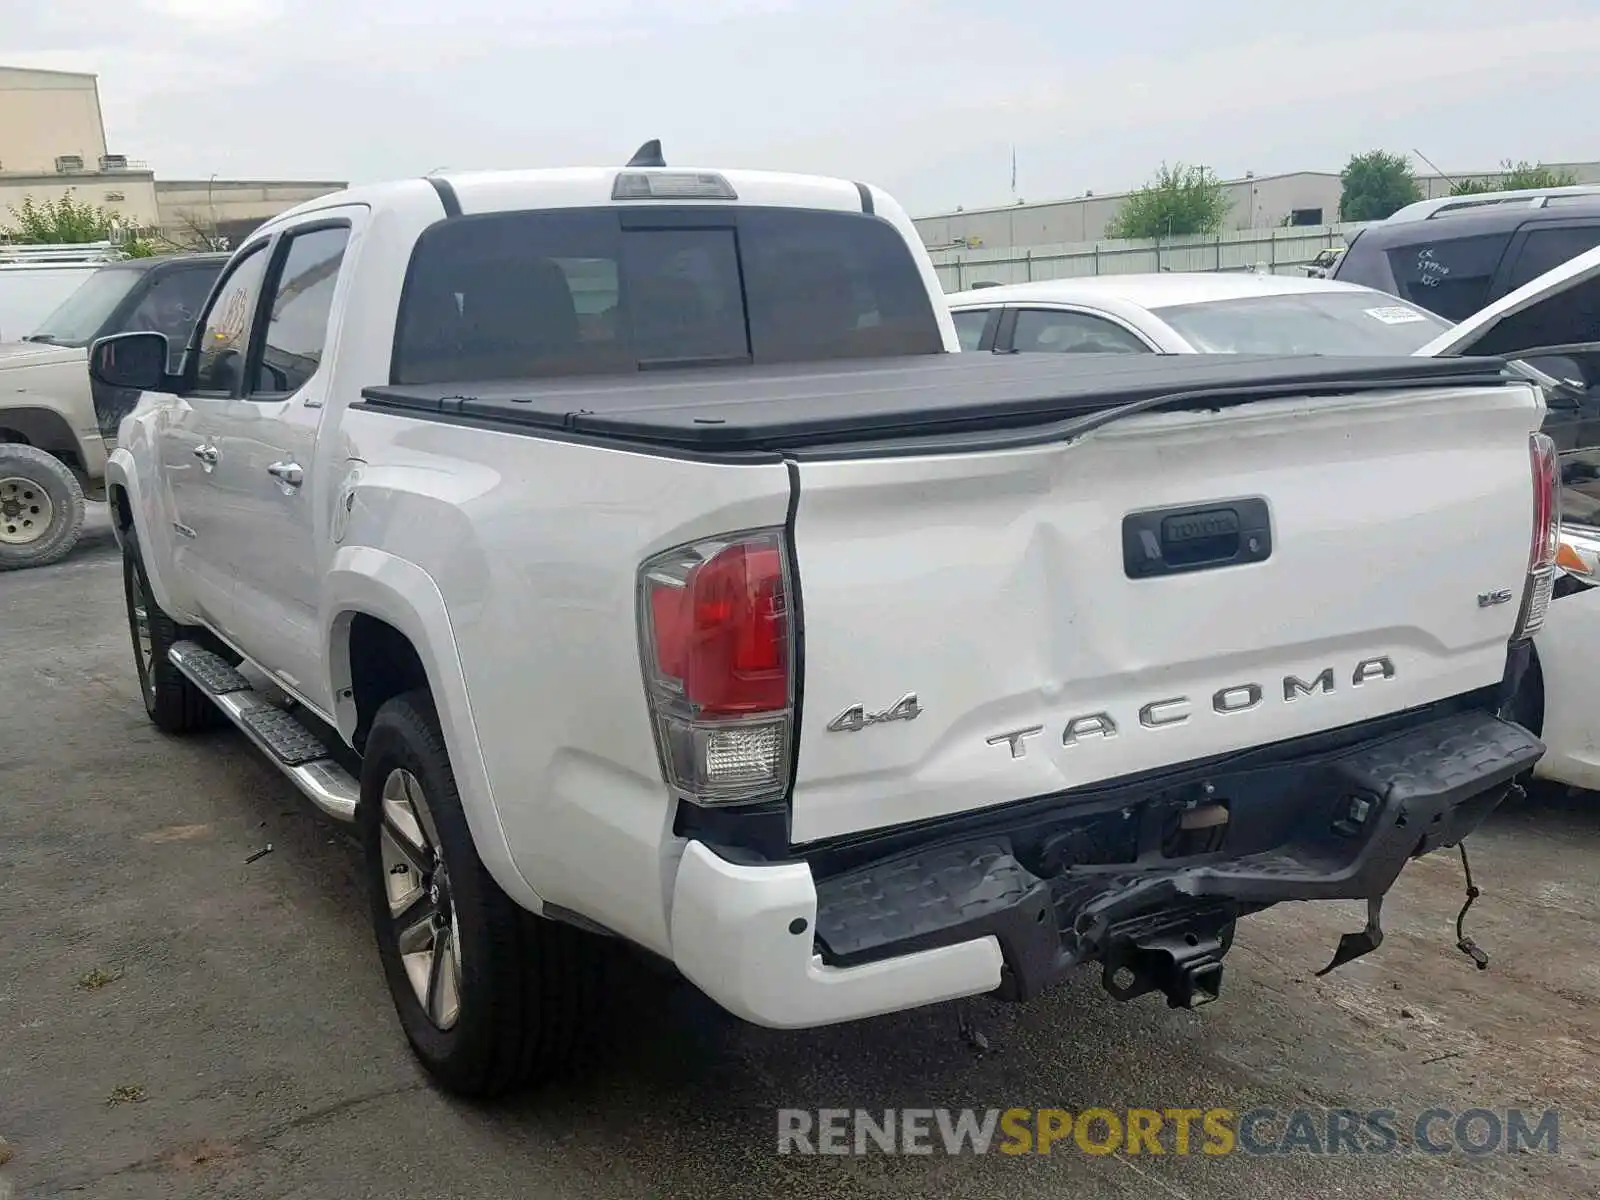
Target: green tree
{"points": [[1179, 200], [67, 221], [1376, 185], [1515, 176], [1534, 175]]}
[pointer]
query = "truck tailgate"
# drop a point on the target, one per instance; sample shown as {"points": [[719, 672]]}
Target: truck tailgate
{"points": [[1392, 536]]}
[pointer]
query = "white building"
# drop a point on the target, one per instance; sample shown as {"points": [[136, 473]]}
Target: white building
{"points": [[1305, 198], [53, 143]]}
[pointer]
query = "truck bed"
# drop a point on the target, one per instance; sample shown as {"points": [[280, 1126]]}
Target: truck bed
{"points": [[772, 409]]}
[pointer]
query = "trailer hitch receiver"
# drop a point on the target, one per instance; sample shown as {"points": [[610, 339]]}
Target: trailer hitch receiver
{"points": [[1186, 968]]}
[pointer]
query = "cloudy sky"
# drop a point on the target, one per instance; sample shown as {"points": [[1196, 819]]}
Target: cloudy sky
{"points": [[926, 97]]}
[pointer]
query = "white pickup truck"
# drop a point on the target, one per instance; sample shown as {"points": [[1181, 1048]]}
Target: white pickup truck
{"points": [[627, 553]]}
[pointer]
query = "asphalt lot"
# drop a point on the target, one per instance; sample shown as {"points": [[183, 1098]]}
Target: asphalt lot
{"points": [[175, 1021]]}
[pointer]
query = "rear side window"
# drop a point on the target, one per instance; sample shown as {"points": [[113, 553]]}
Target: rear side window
{"points": [[1569, 318], [1450, 278], [528, 295], [970, 325], [1545, 249], [297, 321], [1040, 330]]}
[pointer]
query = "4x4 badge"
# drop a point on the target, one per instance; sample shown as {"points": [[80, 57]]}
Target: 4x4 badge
{"points": [[856, 718]]}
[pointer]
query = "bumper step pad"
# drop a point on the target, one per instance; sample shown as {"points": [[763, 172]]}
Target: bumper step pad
{"points": [[1339, 826], [295, 749]]}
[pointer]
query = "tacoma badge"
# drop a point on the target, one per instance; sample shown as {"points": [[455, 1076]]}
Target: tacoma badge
{"points": [[1175, 710]]}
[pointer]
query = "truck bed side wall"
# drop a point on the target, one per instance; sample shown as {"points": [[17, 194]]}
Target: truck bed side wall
{"points": [[534, 546]]}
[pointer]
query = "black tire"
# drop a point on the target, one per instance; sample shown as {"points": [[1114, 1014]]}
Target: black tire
{"points": [[41, 507], [172, 702], [528, 988]]}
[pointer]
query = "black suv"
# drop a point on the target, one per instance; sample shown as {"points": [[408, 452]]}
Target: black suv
{"points": [[1456, 255]]}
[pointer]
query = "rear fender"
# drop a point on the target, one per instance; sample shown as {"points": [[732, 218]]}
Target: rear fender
{"points": [[365, 580]]}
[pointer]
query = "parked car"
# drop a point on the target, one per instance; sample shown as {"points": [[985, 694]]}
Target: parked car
{"points": [[35, 279], [1190, 312], [1455, 255], [754, 627], [52, 444], [1198, 313], [1559, 313]]}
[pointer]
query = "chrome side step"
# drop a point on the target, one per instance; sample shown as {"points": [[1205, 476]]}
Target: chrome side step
{"points": [[293, 749]]}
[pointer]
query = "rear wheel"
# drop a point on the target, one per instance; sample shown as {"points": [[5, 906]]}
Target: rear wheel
{"points": [[41, 507], [490, 996], [172, 702]]}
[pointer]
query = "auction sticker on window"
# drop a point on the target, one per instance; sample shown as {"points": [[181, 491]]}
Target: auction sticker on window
{"points": [[1395, 314]]}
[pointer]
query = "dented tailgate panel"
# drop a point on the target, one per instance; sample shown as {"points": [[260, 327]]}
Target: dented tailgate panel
{"points": [[1381, 540]]}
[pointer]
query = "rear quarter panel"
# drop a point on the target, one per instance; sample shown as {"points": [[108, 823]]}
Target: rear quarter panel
{"points": [[534, 547]]}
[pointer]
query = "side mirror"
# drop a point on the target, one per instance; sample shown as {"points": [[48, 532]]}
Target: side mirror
{"points": [[135, 361]]}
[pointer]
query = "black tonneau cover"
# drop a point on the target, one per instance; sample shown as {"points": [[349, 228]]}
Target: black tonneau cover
{"points": [[785, 408]]}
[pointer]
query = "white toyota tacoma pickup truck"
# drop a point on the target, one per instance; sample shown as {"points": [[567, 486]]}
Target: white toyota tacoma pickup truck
{"points": [[630, 556]]}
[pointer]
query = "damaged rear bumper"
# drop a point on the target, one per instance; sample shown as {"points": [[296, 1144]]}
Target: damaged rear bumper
{"points": [[1148, 888]]}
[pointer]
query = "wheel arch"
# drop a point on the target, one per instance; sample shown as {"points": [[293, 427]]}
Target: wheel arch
{"points": [[131, 512], [43, 428], [387, 631]]}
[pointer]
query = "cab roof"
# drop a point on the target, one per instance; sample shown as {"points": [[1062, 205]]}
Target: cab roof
{"points": [[586, 187]]}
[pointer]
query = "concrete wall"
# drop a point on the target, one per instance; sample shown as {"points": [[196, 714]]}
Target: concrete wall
{"points": [[48, 113], [230, 208]]}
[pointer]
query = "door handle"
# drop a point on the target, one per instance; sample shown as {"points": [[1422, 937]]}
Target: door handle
{"points": [[207, 454], [289, 475]]}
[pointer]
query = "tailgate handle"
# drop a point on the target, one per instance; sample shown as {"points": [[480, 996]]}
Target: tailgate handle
{"points": [[1195, 537]]}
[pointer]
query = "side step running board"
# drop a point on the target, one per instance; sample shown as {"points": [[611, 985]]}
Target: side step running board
{"points": [[293, 749]]}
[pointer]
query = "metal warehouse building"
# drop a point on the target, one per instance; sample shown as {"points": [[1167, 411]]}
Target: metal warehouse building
{"points": [[1303, 198]]}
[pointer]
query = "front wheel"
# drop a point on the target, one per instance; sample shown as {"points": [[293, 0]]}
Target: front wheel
{"points": [[172, 702], [41, 507], [490, 996]]}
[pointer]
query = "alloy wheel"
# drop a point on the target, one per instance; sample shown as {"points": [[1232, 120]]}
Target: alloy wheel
{"points": [[421, 903], [139, 625]]}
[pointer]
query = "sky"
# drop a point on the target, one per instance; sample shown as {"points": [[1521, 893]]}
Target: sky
{"points": [[927, 99]]}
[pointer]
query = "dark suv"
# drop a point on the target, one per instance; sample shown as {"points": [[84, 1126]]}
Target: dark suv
{"points": [[1457, 254]]}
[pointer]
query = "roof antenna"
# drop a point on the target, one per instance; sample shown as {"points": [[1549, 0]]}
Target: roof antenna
{"points": [[648, 155]]}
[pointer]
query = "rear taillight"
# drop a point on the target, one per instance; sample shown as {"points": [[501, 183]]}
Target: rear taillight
{"points": [[1546, 536], [718, 650]]}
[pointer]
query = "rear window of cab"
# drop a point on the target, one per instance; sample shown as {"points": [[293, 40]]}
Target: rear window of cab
{"points": [[524, 295]]}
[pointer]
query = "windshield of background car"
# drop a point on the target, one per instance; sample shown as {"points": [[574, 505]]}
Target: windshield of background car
{"points": [[1356, 323], [78, 319], [525, 295]]}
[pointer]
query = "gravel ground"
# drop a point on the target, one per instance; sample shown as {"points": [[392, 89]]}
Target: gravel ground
{"points": [[175, 1021]]}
